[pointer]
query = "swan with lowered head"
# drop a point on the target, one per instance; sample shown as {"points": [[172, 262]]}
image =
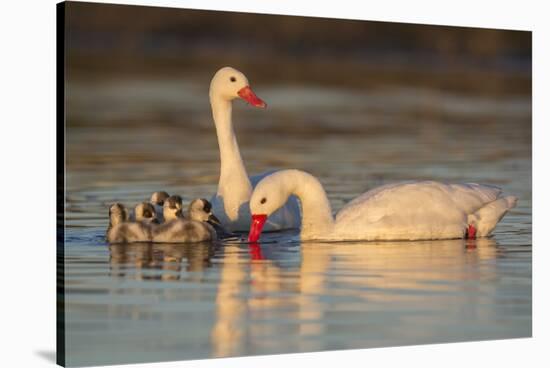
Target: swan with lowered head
{"points": [[401, 211], [235, 187]]}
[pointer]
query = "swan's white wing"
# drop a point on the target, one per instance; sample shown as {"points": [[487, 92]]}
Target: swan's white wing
{"points": [[418, 202]]}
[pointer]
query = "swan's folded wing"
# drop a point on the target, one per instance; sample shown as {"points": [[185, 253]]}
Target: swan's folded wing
{"points": [[475, 195], [372, 205], [418, 201]]}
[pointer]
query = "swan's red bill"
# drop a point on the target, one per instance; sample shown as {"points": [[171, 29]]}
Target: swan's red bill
{"points": [[256, 227], [471, 232], [246, 94]]}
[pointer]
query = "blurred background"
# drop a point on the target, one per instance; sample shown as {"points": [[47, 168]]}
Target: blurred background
{"points": [[409, 92], [130, 40], [357, 104]]}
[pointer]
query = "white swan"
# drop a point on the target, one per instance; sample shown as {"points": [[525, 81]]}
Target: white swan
{"points": [[402, 211], [230, 203]]}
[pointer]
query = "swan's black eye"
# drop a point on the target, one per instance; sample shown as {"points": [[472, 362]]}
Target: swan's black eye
{"points": [[233, 79], [263, 200]]}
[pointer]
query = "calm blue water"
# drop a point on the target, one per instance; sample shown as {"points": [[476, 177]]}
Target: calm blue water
{"points": [[143, 302]]}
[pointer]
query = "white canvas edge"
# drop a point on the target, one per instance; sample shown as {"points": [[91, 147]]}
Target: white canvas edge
{"points": [[28, 168]]}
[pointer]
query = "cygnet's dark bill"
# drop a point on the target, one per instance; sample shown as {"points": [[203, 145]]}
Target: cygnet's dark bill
{"points": [[223, 234], [213, 220]]}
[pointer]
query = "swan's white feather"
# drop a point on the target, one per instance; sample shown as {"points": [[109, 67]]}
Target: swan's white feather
{"points": [[414, 210], [395, 198]]}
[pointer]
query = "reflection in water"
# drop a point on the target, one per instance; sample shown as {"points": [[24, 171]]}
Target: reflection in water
{"points": [[170, 301], [365, 274], [315, 262], [165, 258], [231, 308]]}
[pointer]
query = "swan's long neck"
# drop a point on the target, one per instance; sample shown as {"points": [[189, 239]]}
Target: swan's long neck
{"points": [[316, 210], [234, 186]]}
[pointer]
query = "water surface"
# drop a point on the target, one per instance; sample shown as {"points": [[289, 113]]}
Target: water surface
{"points": [[144, 302]]}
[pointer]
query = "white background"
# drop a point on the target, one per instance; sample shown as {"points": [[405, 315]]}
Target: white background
{"points": [[27, 123]]}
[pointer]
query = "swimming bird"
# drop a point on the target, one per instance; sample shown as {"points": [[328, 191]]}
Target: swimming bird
{"points": [[121, 230], [117, 215], [201, 210], [401, 211], [195, 227], [157, 200], [235, 187], [145, 211], [172, 208]]}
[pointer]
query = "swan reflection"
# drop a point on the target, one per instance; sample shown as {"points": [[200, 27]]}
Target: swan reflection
{"points": [[365, 277], [385, 289]]}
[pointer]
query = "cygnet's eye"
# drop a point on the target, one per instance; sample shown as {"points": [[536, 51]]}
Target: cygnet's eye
{"points": [[233, 79], [263, 200]]}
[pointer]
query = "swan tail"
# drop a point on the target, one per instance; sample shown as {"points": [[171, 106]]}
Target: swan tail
{"points": [[487, 217]]}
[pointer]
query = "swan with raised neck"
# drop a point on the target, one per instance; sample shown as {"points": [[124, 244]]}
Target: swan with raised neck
{"points": [[401, 211], [235, 187]]}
